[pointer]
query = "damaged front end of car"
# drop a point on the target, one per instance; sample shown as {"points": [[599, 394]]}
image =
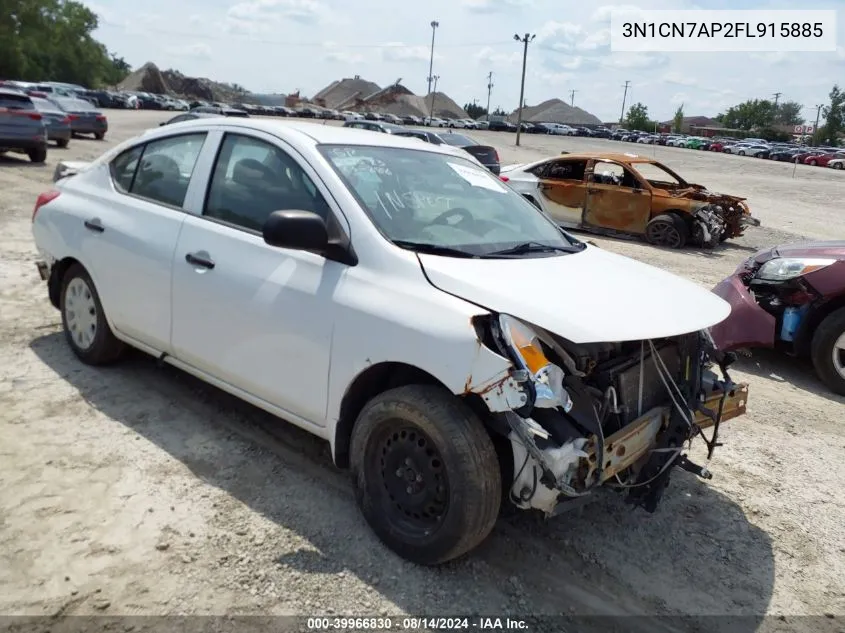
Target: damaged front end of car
{"points": [[580, 417], [733, 211]]}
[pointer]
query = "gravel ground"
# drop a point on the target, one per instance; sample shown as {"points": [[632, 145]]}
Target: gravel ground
{"points": [[139, 490]]}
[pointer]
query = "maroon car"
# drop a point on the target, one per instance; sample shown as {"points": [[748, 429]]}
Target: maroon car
{"points": [[790, 297]]}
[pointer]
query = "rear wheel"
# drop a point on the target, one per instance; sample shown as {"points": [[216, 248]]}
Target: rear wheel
{"points": [[828, 351], [667, 230], [426, 473], [62, 142], [100, 136], [37, 155], [86, 329], [837, 165], [813, 163], [741, 153]]}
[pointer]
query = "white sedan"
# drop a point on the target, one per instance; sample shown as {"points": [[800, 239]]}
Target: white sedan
{"points": [[393, 297], [836, 163]]}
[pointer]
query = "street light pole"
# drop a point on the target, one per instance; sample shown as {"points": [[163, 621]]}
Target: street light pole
{"points": [[816, 126], [434, 25], [489, 92], [624, 97], [528, 37], [433, 95]]}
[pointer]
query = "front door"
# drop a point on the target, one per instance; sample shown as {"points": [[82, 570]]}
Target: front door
{"points": [[562, 190], [616, 199], [257, 317]]}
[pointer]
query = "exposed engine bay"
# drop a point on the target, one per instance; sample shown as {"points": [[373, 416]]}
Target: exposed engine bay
{"points": [[731, 210], [617, 415]]}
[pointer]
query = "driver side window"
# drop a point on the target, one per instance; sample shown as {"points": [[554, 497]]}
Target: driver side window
{"points": [[252, 178], [566, 170], [613, 174]]}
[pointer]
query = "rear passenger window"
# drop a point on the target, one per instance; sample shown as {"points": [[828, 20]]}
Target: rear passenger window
{"points": [[123, 167], [165, 168], [253, 178]]}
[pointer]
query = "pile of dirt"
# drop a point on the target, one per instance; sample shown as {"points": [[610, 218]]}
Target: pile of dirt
{"points": [[148, 78], [556, 111], [341, 93]]}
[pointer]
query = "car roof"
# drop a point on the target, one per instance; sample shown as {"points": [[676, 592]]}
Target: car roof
{"points": [[314, 133], [613, 156], [13, 93]]}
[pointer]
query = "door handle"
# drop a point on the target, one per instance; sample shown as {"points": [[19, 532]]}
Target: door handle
{"points": [[94, 225], [198, 260]]}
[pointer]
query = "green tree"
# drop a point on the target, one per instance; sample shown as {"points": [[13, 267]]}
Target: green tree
{"points": [[637, 118], [789, 113], [834, 115], [499, 112], [678, 120], [474, 110], [52, 40]]}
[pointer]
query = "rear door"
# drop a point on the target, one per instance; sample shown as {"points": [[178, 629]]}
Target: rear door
{"points": [[131, 233], [616, 199], [562, 190]]}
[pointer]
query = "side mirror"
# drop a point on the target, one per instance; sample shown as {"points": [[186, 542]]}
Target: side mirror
{"points": [[295, 229]]}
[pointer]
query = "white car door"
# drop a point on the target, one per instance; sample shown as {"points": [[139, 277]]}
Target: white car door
{"points": [[133, 233], [257, 317]]}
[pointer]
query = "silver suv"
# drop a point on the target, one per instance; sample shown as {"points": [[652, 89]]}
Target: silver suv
{"points": [[22, 126]]}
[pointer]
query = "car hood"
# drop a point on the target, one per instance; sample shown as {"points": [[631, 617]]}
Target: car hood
{"points": [[834, 249], [587, 297]]}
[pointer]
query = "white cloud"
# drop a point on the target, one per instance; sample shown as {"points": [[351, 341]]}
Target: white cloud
{"points": [[775, 58], [401, 52], [252, 15], [198, 50], [489, 57], [674, 77], [678, 98], [495, 6], [603, 14], [340, 54], [553, 79], [635, 61]]}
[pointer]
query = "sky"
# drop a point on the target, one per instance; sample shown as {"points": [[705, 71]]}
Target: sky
{"points": [[288, 45]]}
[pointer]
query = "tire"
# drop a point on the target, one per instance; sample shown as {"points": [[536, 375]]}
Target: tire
{"points": [[100, 136], [433, 432], [812, 163], [828, 351], [667, 230], [37, 155], [837, 165], [62, 142], [78, 297], [741, 153]]}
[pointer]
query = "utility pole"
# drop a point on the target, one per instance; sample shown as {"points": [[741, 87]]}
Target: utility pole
{"points": [[572, 97], [624, 97], [434, 25], [775, 108], [777, 96], [528, 37], [816, 126], [489, 92], [433, 94]]}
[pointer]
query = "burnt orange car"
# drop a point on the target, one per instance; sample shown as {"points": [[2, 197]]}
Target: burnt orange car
{"points": [[626, 194]]}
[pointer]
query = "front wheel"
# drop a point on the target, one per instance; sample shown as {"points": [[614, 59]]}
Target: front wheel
{"points": [[667, 230], [741, 153], [426, 473], [37, 155], [828, 351], [84, 320], [837, 165]]}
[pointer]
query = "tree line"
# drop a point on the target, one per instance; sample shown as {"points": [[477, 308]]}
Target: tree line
{"points": [[51, 40]]}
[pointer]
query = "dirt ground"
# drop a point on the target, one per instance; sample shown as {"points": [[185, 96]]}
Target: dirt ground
{"points": [[138, 490]]}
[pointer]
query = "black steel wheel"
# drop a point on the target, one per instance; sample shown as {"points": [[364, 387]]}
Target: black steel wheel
{"points": [[426, 473], [667, 230]]}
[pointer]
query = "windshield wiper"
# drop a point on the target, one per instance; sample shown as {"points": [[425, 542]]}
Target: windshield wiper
{"points": [[433, 249], [536, 247]]}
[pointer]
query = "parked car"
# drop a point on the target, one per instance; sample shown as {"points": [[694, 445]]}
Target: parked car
{"points": [[56, 120], [373, 116], [790, 297], [630, 195], [411, 120], [374, 126], [785, 154], [392, 118], [501, 126], [423, 354], [436, 122], [823, 159], [84, 117], [836, 163], [482, 125], [485, 154], [22, 127]]}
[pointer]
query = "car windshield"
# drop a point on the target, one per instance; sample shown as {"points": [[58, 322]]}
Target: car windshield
{"points": [[441, 203], [74, 104], [458, 140], [44, 106], [656, 174]]}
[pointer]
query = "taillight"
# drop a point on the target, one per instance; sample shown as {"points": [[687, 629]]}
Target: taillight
{"points": [[496, 154], [72, 117], [66, 120], [101, 117], [504, 178], [35, 116], [44, 198]]}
